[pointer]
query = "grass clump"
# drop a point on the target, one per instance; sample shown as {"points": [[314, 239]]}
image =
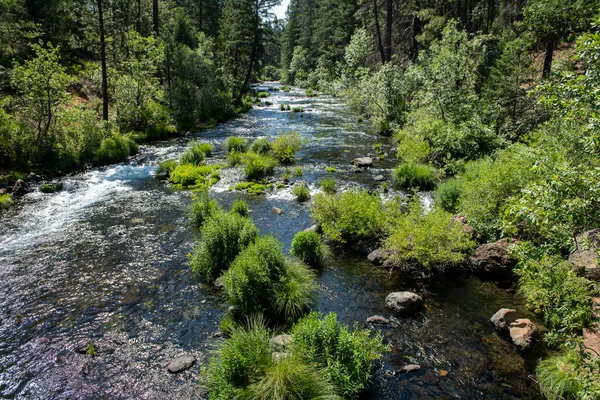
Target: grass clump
{"points": [[165, 168], [432, 240], [224, 236], [352, 216], [308, 247], [6, 201], [346, 357], [310, 93], [261, 146], [114, 149], [286, 89], [250, 187], [285, 147], [569, 375], [263, 95], [302, 192], [202, 208], [236, 144], [447, 195], [410, 175], [328, 185], [331, 170], [298, 172], [195, 177], [196, 153], [260, 279], [258, 166], [51, 188], [281, 107], [240, 207], [287, 107], [297, 110]]}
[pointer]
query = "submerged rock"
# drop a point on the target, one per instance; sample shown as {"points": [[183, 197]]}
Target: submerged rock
{"points": [[33, 177], [409, 368], [503, 318], [180, 364], [21, 188], [379, 178], [493, 259], [404, 303], [378, 319], [363, 162], [377, 257], [522, 333], [277, 210]]}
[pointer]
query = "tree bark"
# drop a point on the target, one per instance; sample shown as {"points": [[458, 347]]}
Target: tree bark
{"points": [[550, 44], [103, 61], [388, 30], [378, 32], [416, 30], [155, 16], [138, 23]]}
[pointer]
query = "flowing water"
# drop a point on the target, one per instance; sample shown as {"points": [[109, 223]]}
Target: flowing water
{"points": [[104, 260]]}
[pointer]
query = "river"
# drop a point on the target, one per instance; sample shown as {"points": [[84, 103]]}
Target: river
{"points": [[104, 260]]}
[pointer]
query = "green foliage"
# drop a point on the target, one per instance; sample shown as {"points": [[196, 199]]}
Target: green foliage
{"points": [[281, 107], [257, 166], [553, 289], [308, 247], [236, 144], [261, 146], [286, 89], [224, 236], [568, 375], [263, 95], [6, 201], [431, 240], [412, 148], [298, 172], [347, 357], [250, 187], [51, 188], [196, 153], [310, 93], [447, 195], [328, 185], [202, 208], [285, 147], [408, 176], [297, 110], [302, 192], [352, 216], [191, 176], [113, 149], [240, 207], [165, 168]]}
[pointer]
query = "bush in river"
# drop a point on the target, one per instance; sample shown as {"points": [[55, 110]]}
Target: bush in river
{"points": [[224, 236], [240, 207], [285, 147], [187, 175], [261, 146], [6, 201], [301, 192], [196, 153], [257, 166], [263, 95], [165, 168], [235, 144], [328, 185], [308, 247], [250, 187], [114, 149], [409, 175], [202, 208]]}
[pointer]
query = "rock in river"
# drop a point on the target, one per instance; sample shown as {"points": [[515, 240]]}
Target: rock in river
{"points": [[378, 319], [409, 368], [522, 333], [503, 318], [404, 303], [21, 188], [180, 364], [277, 210], [493, 259], [363, 162], [376, 257]]}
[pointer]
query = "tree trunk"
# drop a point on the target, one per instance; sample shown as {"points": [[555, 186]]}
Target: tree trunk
{"points": [[550, 44], [139, 17], [155, 16], [252, 54], [388, 30], [378, 32], [416, 30], [103, 61]]}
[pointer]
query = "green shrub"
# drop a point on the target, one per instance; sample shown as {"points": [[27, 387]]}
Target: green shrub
{"points": [[202, 208], [297, 109], [569, 375], [281, 107], [261, 146], [432, 240], [553, 290], [250, 187], [408, 176], [196, 153], [224, 236], [352, 216], [165, 168], [310, 93], [298, 172], [287, 106], [294, 294], [115, 149], [347, 357], [240, 207], [236, 144], [412, 149], [285, 147], [331, 170], [328, 185], [6, 201], [190, 176], [263, 95], [308, 247], [302, 192], [286, 89], [447, 194], [257, 166]]}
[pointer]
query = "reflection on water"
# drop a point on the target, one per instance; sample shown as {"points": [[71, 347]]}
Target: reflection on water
{"points": [[105, 260]]}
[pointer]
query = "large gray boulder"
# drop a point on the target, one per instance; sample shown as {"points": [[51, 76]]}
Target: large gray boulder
{"points": [[523, 333], [377, 257], [180, 364], [404, 303], [493, 259], [21, 188], [363, 162], [503, 318], [280, 342], [585, 258]]}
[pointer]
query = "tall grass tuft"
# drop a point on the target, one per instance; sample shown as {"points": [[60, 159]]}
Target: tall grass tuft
{"points": [[308, 247], [257, 166], [328, 185], [235, 144], [261, 146], [302, 192], [409, 176], [202, 208], [285, 147]]}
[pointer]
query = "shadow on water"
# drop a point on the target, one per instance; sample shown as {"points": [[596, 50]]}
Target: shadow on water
{"points": [[105, 260]]}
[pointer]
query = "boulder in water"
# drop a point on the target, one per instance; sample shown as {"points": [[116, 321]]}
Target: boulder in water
{"points": [[522, 333], [276, 210], [21, 188], [493, 259], [363, 162], [404, 303], [377, 257], [180, 364], [409, 368], [503, 318], [378, 319]]}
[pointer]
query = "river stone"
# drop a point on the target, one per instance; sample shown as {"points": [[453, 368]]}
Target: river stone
{"points": [[33, 177], [363, 162], [585, 259], [379, 178], [21, 188], [404, 303], [218, 285], [462, 221], [314, 228], [503, 318], [522, 333], [409, 368], [376, 257], [378, 319], [277, 210], [493, 259], [180, 364], [280, 342]]}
